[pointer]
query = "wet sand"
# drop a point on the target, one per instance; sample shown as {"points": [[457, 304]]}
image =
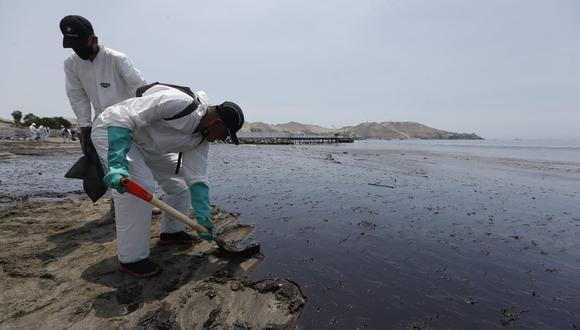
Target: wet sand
{"points": [[53, 146], [58, 264], [404, 238]]}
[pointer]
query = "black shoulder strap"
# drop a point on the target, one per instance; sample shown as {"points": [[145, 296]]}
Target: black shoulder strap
{"points": [[141, 90], [189, 109]]}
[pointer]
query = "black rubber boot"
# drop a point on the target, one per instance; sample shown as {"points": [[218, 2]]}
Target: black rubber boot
{"points": [[180, 237], [142, 268]]}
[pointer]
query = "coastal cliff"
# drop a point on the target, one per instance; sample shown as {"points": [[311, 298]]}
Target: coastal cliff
{"points": [[370, 130]]}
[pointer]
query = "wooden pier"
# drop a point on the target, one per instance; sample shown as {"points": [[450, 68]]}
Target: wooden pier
{"points": [[287, 140]]}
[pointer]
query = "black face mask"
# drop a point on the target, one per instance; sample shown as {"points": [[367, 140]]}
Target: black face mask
{"points": [[85, 53]]}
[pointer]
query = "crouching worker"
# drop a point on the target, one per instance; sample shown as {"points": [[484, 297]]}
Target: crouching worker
{"points": [[140, 138]]}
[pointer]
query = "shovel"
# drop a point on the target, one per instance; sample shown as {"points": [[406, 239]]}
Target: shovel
{"points": [[246, 248]]}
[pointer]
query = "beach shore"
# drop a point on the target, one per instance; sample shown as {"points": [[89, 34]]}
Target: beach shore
{"points": [[58, 268], [377, 237]]}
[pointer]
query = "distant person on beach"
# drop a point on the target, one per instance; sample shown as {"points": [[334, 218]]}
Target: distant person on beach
{"points": [[73, 134], [33, 132], [94, 76], [140, 138], [42, 133], [65, 133]]}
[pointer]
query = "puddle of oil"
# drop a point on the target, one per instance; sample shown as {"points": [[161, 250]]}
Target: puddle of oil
{"points": [[34, 175], [410, 256], [7, 204]]}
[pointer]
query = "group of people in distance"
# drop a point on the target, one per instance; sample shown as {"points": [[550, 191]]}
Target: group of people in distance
{"points": [[42, 133]]}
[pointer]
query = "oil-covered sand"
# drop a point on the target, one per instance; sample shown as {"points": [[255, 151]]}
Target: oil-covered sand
{"points": [[385, 238], [58, 271], [58, 261]]}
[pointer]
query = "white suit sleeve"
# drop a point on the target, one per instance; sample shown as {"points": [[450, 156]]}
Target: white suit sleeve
{"points": [[77, 97], [130, 74], [142, 111], [195, 164]]}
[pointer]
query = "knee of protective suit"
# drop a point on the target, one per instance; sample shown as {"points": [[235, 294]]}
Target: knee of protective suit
{"points": [[181, 197], [173, 186], [179, 201]]}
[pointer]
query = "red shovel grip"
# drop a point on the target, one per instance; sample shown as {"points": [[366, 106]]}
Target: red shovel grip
{"points": [[136, 190]]}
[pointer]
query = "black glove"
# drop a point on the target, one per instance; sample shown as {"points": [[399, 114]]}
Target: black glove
{"points": [[87, 144]]}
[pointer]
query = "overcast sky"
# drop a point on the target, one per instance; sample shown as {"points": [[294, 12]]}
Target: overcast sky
{"points": [[498, 68]]}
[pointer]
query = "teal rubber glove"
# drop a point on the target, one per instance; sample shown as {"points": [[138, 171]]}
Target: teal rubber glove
{"points": [[113, 179], [199, 192], [119, 146]]}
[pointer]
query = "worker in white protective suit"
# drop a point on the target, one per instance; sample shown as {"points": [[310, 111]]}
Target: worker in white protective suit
{"points": [[139, 138], [65, 134], [33, 131], [94, 76], [42, 133]]}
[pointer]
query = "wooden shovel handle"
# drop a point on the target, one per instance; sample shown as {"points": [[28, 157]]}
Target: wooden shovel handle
{"points": [[136, 190]]}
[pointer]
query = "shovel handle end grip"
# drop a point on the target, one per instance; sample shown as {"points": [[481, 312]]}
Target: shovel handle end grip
{"points": [[136, 190]]}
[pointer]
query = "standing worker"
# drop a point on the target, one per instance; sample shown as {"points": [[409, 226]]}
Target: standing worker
{"points": [[139, 138], [97, 76], [42, 133], [33, 131], [65, 133]]}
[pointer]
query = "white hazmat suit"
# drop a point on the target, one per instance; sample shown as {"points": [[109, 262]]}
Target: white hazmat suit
{"points": [[42, 133], [33, 131], [156, 139], [106, 80]]}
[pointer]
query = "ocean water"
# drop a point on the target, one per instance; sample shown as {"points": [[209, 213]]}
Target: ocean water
{"points": [[33, 175], [549, 151], [387, 234], [384, 240]]}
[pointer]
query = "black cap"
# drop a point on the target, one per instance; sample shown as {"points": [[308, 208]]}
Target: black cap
{"points": [[76, 31], [233, 117]]}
